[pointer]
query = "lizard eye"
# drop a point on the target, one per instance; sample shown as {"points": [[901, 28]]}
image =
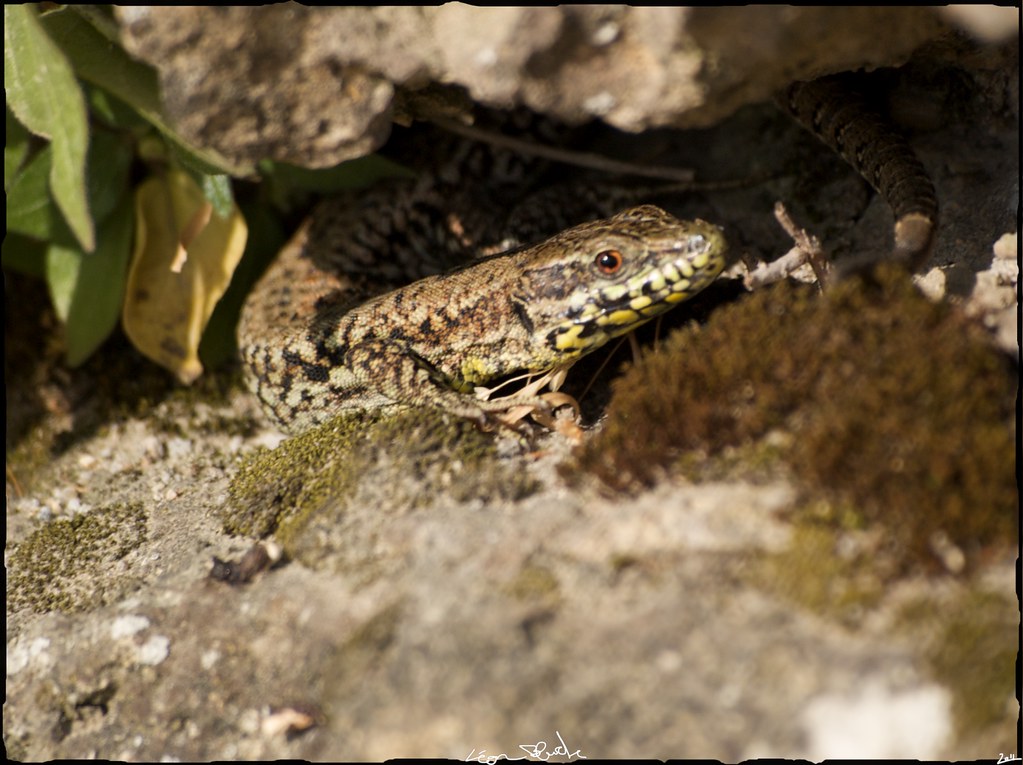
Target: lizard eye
{"points": [[608, 262]]}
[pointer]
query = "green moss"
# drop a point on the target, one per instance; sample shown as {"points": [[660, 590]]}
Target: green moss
{"points": [[889, 403], [976, 656], [811, 573], [304, 486], [751, 462], [450, 454], [698, 393], [970, 647], [67, 565], [535, 584], [273, 485]]}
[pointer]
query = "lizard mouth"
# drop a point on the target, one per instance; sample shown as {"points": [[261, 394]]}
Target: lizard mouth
{"points": [[671, 277]]}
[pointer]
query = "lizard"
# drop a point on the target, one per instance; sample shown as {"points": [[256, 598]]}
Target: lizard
{"points": [[429, 343], [362, 312]]}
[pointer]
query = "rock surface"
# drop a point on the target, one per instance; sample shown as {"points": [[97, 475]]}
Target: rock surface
{"points": [[321, 84], [687, 621]]}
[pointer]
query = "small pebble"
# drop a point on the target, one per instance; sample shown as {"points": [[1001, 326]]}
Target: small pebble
{"points": [[128, 625], [154, 650], [606, 33]]}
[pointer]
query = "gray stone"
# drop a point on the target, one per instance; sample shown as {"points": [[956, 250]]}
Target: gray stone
{"points": [[315, 86]]}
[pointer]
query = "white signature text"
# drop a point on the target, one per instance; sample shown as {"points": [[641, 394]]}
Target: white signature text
{"points": [[537, 751]]}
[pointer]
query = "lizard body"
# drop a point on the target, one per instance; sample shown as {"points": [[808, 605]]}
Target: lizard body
{"points": [[359, 313], [428, 343]]}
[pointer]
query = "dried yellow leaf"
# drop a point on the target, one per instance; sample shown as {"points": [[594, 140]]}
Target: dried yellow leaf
{"points": [[182, 262]]}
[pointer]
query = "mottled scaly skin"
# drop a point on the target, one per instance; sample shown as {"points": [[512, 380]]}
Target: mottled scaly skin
{"points": [[840, 117], [315, 346]]}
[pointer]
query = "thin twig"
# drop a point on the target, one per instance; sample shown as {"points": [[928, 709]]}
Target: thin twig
{"points": [[684, 178], [603, 364], [637, 354], [807, 250], [567, 156], [13, 479], [776, 270], [805, 241]]}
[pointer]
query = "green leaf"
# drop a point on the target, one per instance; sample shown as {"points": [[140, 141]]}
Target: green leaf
{"points": [[45, 97], [63, 262], [285, 181], [114, 112], [15, 150], [30, 208], [88, 288], [100, 61], [351, 174], [217, 189], [102, 18], [110, 157]]}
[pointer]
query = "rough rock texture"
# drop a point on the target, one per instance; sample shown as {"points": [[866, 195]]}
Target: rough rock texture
{"points": [[669, 625], [688, 621], [321, 84]]}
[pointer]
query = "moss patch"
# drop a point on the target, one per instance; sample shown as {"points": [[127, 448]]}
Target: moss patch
{"points": [[811, 574], [535, 584], [892, 405], [976, 656], [73, 565], [970, 646], [272, 484], [408, 459]]}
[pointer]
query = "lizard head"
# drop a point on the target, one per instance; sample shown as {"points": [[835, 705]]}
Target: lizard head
{"points": [[601, 280]]}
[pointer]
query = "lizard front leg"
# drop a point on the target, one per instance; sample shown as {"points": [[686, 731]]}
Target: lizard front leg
{"points": [[392, 369]]}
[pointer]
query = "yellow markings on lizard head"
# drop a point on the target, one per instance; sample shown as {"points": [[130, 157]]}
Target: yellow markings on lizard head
{"points": [[625, 271], [657, 281], [619, 317], [641, 302], [569, 337], [616, 291], [671, 273]]}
